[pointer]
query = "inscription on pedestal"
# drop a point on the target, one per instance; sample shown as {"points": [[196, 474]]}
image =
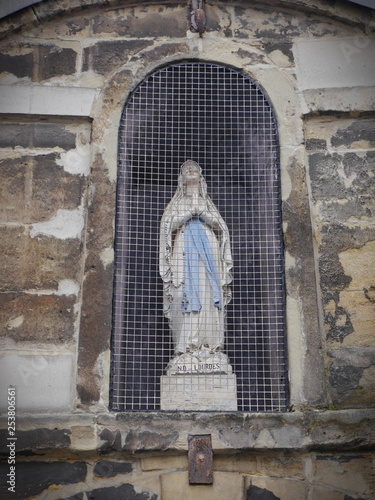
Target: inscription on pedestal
{"points": [[199, 362], [199, 368]]}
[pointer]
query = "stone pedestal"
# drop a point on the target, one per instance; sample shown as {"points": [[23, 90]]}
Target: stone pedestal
{"points": [[216, 392], [199, 381]]}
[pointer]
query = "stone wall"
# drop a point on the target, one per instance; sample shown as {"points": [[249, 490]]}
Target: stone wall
{"points": [[250, 476], [66, 70], [312, 455], [44, 169], [341, 168]]}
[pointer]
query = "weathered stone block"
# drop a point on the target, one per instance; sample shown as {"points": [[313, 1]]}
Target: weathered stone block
{"points": [[301, 278], [283, 26], [337, 322], [97, 291], [153, 439], [245, 463], [40, 62], [359, 134], [217, 18], [345, 430], [164, 463], [351, 473], [282, 465], [252, 56], [125, 491], [344, 377], [83, 438], [75, 26], [36, 263], [34, 477], [43, 383], [342, 282], [357, 300], [151, 21], [13, 188], [38, 439], [55, 61], [36, 135], [64, 189], [135, 440], [339, 175], [344, 99], [316, 144], [280, 52], [351, 381], [226, 485], [162, 51], [323, 493], [347, 174], [20, 318], [361, 209], [26, 180], [104, 57], [12, 245], [95, 322], [109, 468], [336, 238], [269, 488], [18, 65]]}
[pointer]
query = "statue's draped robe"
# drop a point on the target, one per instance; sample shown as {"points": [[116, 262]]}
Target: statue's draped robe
{"points": [[195, 264]]}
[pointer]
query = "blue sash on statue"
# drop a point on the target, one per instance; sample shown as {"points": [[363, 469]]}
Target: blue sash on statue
{"points": [[197, 246]]}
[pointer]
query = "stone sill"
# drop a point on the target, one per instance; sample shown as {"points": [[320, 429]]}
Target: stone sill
{"points": [[132, 432]]}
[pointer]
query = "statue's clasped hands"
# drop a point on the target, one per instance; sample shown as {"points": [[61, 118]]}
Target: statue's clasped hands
{"points": [[196, 210]]}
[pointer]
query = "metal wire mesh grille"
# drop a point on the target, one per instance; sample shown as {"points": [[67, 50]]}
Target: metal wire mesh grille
{"points": [[222, 120]]}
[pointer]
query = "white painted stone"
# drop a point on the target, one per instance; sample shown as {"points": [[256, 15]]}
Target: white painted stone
{"points": [[76, 161], [104, 370], [67, 287], [107, 256], [335, 62], [66, 224], [280, 59], [47, 100], [265, 440], [290, 261], [43, 383], [199, 392], [15, 322]]}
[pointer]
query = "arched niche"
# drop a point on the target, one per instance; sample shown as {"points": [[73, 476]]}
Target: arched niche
{"points": [[222, 119]]}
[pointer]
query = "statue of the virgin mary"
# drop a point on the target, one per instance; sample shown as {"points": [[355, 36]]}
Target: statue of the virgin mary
{"points": [[195, 265]]}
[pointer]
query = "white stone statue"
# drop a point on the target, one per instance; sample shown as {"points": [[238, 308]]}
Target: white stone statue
{"points": [[195, 265]]}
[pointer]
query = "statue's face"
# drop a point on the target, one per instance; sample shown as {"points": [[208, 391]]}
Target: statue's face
{"points": [[191, 174]]}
